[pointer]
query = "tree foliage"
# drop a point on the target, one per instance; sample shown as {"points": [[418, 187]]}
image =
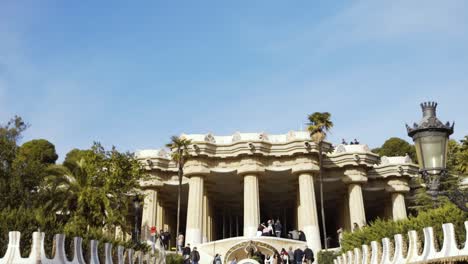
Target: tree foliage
{"points": [[96, 190], [396, 147], [86, 196]]}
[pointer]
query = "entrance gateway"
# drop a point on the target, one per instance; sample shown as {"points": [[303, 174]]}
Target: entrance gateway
{"points": [[233, 183]]}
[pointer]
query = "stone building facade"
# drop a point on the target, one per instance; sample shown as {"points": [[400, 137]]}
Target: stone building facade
{"points": [[233, 183]]}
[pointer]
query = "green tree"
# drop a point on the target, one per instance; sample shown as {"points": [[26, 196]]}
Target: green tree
{"points": [[29, 169], [74, 156], [96, 192], [396, 147], [10, 134], [180, 154], [319, 125]]}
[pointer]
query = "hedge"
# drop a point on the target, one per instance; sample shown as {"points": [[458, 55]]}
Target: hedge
{"points": [[379, 229]]}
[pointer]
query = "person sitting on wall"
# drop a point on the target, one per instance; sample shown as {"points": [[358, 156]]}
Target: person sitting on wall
{"points": [[302, 236], [294, 234], [260, 230], [265, 231]]}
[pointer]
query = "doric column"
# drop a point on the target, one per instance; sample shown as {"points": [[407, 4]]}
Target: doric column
{"points": [[355, 177], [210, 221], [357, 212], [149, 212], [205, 218], [193, 233], [398, 206], [251, 205], [308, 211], [159, 216], [397, 188]]}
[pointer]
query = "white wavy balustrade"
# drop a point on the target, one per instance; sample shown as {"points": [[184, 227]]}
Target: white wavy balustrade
{"points": [[383, 253], [37, 255]]}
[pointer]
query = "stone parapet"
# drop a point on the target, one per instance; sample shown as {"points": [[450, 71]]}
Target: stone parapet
{"points": [[37, 255], [384, 253]]}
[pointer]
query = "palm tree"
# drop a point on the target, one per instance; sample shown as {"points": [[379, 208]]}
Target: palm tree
{"points": [[180, 154], [319, 125], [75, 193]]}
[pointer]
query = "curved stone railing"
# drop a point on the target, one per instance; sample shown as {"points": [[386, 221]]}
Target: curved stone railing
{"points": [[37, 255], [384, 253]]}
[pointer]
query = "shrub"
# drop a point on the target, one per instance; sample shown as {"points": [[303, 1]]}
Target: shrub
{"points": [[327, 256], [174, 259], [379, 229]]}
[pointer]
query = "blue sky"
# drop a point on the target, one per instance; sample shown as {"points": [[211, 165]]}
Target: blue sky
{"points": [[133, 73]]}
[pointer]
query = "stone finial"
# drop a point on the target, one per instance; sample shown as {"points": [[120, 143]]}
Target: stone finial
{"points": [[210, 138]]}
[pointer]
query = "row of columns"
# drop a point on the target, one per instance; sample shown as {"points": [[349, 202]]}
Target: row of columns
{"points": [[200, 215], [153, 214]]}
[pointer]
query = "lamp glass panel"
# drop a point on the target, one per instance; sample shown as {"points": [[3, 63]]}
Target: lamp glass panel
{"points": [[433, 148], [417, 143]]}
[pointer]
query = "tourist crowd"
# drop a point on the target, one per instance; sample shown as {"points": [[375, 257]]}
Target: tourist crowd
{"points": [[298, 256], [275, 228]]}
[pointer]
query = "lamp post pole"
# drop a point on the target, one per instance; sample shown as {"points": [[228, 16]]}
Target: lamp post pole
{"points": [[136, 207], [431, 138]]}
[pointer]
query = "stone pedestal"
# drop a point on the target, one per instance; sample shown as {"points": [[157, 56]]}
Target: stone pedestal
{"points": [[194, 211], [307, 211], [251, 205]]}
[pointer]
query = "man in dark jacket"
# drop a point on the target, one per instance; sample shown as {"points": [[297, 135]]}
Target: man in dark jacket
{"points": [[308, 255], [194, 256], [298, 255], [186, 252]]}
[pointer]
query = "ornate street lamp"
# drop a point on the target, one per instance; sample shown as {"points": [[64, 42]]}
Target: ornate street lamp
{"points": [[431, 138], [136, 208]]}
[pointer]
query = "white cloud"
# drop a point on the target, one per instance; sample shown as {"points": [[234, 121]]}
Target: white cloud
{"points": [[381, 21]]}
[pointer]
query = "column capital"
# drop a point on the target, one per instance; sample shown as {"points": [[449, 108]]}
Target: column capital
{"points": [[305, 168], [355, 175], [196, 167], [397, 186], [250, 165]]}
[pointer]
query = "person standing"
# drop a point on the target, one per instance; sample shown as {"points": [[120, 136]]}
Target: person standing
{"points": [[234, 261], [308, 255], [217, 259], [166, 237], [278, 228], [186, 252], [291, 255], [180, 243], [194, 256], [298, 255], [340, 235], [355, 227]]}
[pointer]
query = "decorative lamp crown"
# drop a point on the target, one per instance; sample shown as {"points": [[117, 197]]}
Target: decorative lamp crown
{"points": [[429, 121], [429, 109]]}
